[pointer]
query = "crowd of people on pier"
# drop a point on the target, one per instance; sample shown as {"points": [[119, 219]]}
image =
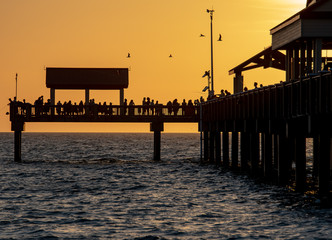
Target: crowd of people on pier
{"points": [[149, 107]]}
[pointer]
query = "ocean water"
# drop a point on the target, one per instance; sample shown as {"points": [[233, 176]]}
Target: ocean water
{"points": [[105, 186]]}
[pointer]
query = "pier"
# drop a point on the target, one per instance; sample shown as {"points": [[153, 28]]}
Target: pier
{"points": [[271, 124], [262, 131]]}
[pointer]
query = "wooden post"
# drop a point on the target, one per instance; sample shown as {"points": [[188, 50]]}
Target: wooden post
{"points": [[296, 63], [122, 101], [18, 128], [275, 151], [267, 156], [157, 127], [235, 150], [211, 145], [156, 145], [17, 146], [218, 147], [225, 148], [52, 98], [238, 83], [318, 55], [316, 156], [300, 161], [283, 155], [87, 96], [309, 56], [244, 151], [206, 146], [302, 60], [254, 152], [324, 164], [288, 62]]}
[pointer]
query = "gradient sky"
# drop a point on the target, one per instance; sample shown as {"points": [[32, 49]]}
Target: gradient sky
{"points": [[99, 33]]}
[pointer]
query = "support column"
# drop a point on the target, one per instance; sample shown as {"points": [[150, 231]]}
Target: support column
{"points": [[238, 83], [211, 145], [157, 128], [225, 149], [218, 148], [288, 62], [318, 55], [296, 63], [300, 161], [17, 146], [87, 96], [283, 154], [315, 157], [206, 146], [275, 151], [309, 57], [254, 152], [235, 150], [18, 128], [121, 96], [52, 98], [122, 110], [302, 60], [267, 156], [324, 164], [244, 151]]}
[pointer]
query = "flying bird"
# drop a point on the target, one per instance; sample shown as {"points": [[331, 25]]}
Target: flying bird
{"points": [[128, 56], [220, 38], [206, 88], [170, 55], [207, 73], [202, 35]]}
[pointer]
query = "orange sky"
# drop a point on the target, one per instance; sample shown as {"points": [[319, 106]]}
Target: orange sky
{"points": [[99, 33]]}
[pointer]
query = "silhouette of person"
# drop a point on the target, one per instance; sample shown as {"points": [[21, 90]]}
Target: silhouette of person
{"points": [[152, 106], [184, 106], [144, 106], [131, 108], [169, 107], [176, 107], [222, 93], [58, 108]]}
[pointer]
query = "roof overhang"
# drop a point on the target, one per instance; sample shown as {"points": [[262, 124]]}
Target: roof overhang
{"points": [[266, 58]]}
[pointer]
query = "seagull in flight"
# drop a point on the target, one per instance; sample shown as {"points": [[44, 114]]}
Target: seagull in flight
{"points": [[170, 55], [207, 73], [128, 56], [220, 38], [202, 35]]}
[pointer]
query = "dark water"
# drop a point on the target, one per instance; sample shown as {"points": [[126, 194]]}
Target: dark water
{"points": [[105, 186]]}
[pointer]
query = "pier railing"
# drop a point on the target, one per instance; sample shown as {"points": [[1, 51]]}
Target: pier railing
{"points": [[26, 112], [287, 100]]}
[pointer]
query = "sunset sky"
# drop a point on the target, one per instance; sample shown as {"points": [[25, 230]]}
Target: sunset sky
{"points": [[99, 33]]}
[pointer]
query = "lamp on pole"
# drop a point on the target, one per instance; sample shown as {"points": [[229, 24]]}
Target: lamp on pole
{"points": [[212, 83]]}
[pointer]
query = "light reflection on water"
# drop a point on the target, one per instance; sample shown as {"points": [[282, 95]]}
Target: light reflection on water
{"points": [[105, 186]]}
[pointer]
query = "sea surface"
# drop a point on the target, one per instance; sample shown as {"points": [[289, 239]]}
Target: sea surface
{"points": [[105, 186]]}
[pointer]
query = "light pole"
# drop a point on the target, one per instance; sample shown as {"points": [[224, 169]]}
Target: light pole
{"points": [[16, 87], [212, 82]]}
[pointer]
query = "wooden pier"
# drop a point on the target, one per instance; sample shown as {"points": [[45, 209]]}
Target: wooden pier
{"points": [[268, 126], [21, 113], [273, 123]]}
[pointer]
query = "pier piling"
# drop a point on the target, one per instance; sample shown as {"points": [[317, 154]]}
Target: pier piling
{"points": [[157, 127]]}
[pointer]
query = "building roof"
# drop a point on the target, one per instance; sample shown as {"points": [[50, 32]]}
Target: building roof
{"points": [[266, 58], [307, 12]]}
